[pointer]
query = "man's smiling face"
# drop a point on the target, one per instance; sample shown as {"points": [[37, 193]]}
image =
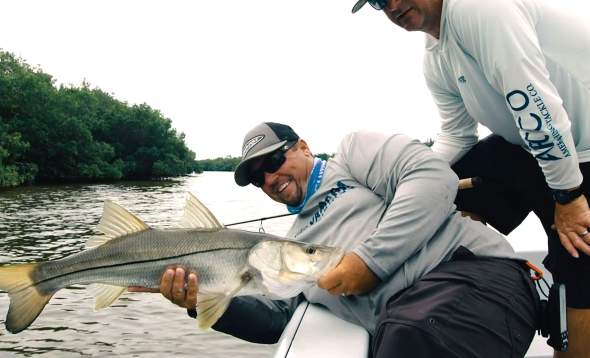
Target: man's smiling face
{"points": [[288, 185]]}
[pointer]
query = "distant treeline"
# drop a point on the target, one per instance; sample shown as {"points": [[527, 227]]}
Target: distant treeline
{"points": [[225, 164], [67, 133], [229, 163]]}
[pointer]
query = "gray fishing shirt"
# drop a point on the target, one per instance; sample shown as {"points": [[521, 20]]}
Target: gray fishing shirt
{"points": [[389, 199], [522, 69]]}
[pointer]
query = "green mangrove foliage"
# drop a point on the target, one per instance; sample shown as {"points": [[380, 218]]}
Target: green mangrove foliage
{"points": [[229, 163], [225, 164], [324, 156], [67, 133]]}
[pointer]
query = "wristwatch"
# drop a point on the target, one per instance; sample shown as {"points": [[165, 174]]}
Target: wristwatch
{"points": [[191, 312], [566, 196]]}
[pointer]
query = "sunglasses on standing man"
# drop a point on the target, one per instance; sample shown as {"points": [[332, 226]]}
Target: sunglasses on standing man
{"points": [[376, 4]]}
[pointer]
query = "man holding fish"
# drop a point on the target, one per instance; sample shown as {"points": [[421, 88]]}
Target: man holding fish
{"points": [[421, 278]]}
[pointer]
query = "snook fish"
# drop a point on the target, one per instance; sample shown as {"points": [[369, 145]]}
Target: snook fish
{"points": [[228, 262]]}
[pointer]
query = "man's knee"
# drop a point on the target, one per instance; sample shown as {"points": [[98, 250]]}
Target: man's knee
{"points": [[499, 200]]}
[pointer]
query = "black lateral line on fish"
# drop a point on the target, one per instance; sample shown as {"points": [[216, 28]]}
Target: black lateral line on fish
{"points": [[131, 263]]}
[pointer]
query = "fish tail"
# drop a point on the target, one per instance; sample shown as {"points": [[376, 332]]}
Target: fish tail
{"points": [[26, 301]]}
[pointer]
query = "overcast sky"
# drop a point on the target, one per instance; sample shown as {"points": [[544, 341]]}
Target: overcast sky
{"points": [[216, 68]]}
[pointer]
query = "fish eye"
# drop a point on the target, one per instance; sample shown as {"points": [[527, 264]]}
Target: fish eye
{"points": [[310, 250]]}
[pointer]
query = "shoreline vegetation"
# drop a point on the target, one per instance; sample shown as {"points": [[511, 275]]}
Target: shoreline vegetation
{"points": [[70, 134], [229, 163], [65, 134]]}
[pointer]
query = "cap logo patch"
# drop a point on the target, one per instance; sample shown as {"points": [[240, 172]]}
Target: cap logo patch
{"points": [[250, 144]]}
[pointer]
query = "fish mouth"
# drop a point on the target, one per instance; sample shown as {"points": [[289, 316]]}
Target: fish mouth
{"points": [[338, 254], [331, 263]]}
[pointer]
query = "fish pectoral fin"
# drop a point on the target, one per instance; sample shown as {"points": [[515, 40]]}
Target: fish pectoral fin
{"points": [[117, 222], [26, 301], [210, 308], [105, 295], [197, 216]]}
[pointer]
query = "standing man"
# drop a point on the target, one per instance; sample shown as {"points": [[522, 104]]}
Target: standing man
{"points": [[522, 69], [422, 279]]}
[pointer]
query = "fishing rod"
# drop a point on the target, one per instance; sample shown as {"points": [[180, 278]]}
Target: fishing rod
{"points": [[260, 219], [470, 183], [467, 183]]}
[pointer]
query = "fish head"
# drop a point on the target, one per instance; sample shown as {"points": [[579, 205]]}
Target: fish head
{"points": [[308, 260], [289, 267]]}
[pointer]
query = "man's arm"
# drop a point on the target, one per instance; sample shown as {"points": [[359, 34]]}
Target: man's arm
{"points": [[458, 131], [501, 36], [507, 27], [418, 186], [257, 319]]}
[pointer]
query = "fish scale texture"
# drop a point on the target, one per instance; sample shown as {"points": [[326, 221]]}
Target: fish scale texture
{"points": [[140, 259]]}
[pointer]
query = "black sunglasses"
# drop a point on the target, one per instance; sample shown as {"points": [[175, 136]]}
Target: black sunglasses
{"points": [[378, 4], [270, 164]]}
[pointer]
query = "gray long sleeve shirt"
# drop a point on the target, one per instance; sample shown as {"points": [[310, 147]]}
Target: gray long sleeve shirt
{"points": [[522, 69], [389, 199]]}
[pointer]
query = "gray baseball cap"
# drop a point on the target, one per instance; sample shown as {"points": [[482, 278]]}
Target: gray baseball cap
{"points": [[263, 139]]}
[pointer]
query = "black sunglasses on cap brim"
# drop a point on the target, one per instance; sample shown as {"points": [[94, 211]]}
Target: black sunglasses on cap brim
{"points": [[376, 4], [270, 163]]}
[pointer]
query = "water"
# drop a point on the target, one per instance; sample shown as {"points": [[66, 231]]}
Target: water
{"points": [[49, 222]]}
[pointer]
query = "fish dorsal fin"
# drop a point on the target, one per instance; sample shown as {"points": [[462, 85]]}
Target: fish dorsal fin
{"points": [[97, 241], [117, 222], [106, 294], [197, 216]]}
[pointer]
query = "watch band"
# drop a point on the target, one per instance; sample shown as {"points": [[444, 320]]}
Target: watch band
{"points": [[191, 312], [566, 196]]}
